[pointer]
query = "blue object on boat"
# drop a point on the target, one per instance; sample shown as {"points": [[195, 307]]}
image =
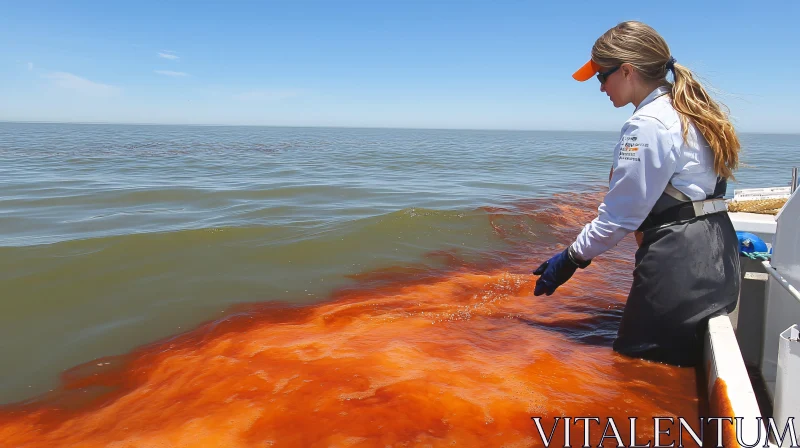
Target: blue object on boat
{"points": [[749, 243]]}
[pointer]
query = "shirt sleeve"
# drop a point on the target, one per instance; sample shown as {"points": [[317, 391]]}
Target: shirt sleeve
{"points": [[644, 161]]}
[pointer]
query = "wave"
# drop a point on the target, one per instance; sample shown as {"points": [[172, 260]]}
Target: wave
{"points": [[76, 300]]}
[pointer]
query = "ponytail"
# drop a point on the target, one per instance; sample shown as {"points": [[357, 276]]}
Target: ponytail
{"points": [[693, 103]]}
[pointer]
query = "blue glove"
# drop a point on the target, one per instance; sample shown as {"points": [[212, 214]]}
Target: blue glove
{"points": [[556, 271]]}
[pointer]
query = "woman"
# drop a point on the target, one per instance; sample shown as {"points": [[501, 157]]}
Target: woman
{"points": [[668, 177]]}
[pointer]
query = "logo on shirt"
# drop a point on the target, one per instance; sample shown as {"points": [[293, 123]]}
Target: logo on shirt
{"points": [[633, 146], [629, 147]]}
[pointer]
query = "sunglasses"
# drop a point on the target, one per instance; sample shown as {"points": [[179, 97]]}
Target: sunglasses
{"points": [[603, 76]]}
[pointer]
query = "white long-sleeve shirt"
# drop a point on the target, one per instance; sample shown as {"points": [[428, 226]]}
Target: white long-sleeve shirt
{"points": [[650, 154]]}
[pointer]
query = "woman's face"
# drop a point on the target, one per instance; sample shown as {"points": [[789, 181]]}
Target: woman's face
{"points": [[618, 86]]}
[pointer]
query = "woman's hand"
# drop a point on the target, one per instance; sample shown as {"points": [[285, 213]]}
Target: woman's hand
{"points": [[555, 272]]}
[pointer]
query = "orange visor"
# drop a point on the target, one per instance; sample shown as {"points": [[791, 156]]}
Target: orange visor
{"points": [[585, 73]]}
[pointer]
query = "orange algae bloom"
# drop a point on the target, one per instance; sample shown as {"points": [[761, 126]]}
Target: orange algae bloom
{"points": [[461, 356]]}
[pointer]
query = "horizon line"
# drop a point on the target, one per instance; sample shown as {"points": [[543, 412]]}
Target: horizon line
{"points": [[335, 127]]}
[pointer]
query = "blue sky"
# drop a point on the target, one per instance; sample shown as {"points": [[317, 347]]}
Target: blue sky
{"points": [[428, 64]]}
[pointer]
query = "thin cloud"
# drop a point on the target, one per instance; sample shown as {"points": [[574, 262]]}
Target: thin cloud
{"points": [[268, 94], [168, 55], [30, 66], [82, 85], [171, 73]]}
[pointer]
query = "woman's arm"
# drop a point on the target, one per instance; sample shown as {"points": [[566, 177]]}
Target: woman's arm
{"points": [[644, 161]]}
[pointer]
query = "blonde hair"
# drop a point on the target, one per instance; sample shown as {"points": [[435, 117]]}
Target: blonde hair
{"points": [[642, 47]]}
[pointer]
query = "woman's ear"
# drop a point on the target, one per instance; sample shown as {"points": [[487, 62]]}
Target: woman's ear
{"points": [[627, 71]]}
